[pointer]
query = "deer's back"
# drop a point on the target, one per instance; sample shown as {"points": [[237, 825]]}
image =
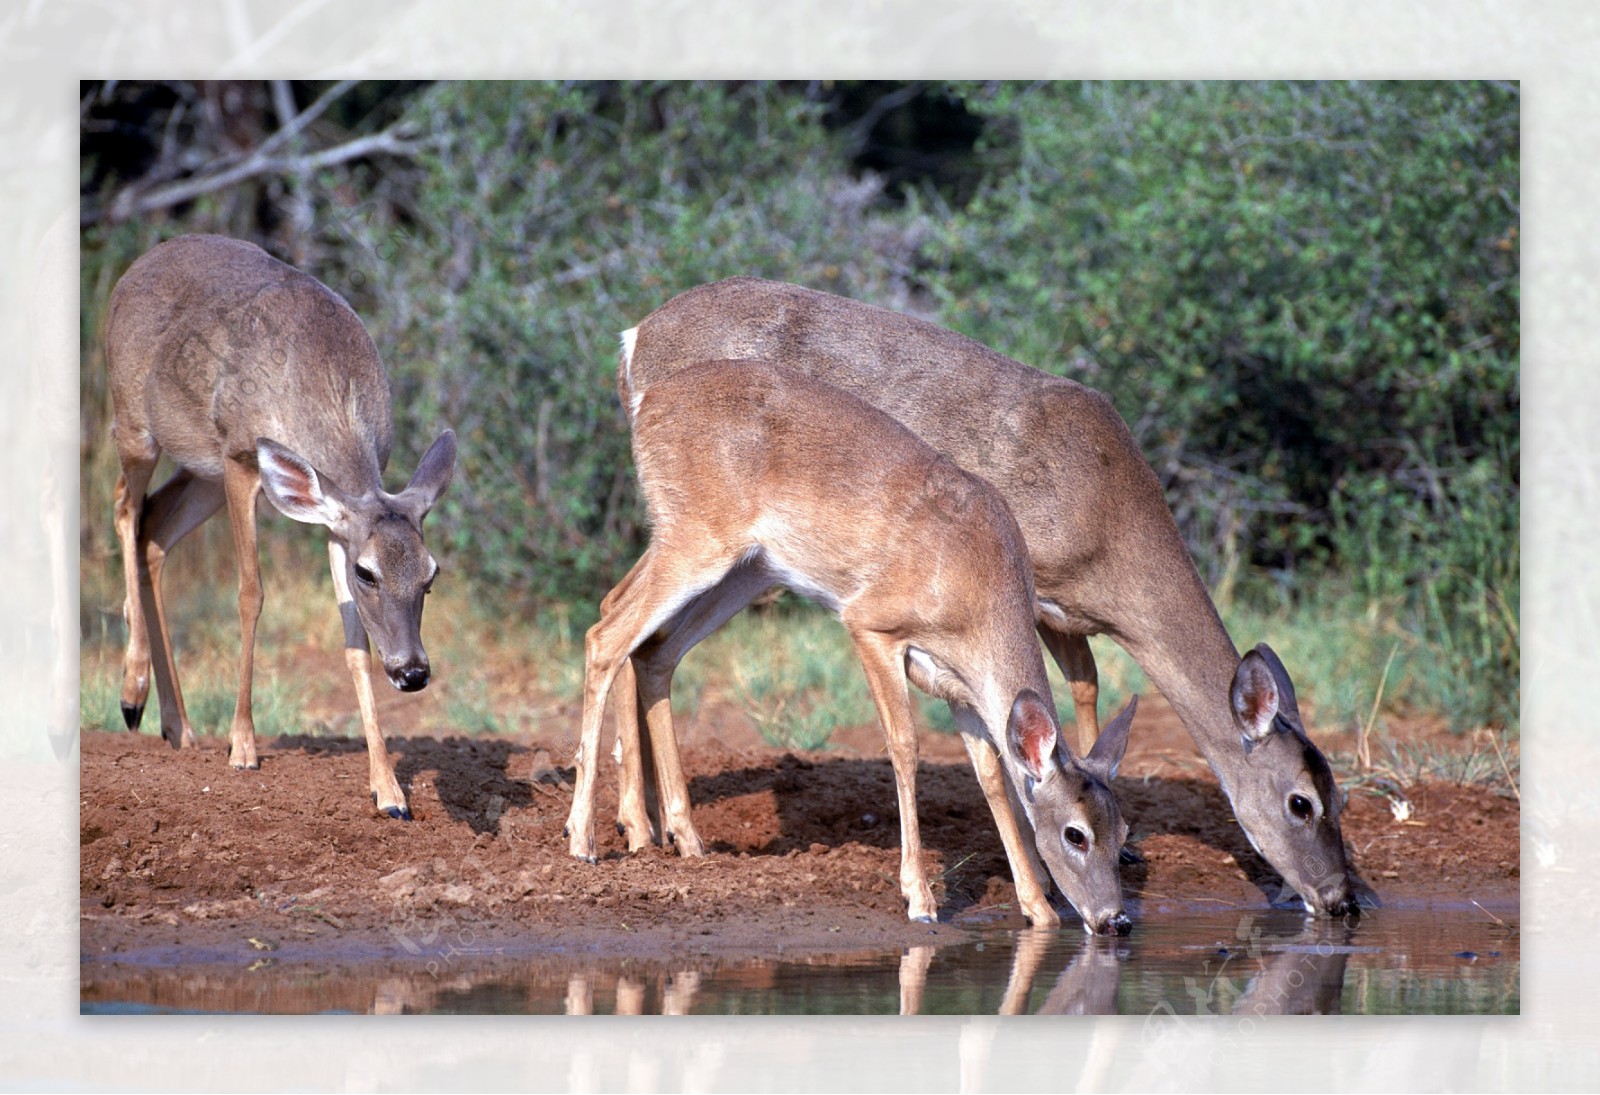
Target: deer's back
{"points": [[213, 343], [748, 455]]}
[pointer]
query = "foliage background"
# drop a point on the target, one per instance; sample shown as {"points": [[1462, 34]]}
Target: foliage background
{"points": [[1302, 297]]}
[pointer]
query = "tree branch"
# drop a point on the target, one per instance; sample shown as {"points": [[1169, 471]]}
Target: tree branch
{"points": [[130, 202], [304, 118]]}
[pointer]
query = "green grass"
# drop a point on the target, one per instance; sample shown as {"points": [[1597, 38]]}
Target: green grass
{"points": [[1361, 665], [210, 686], [1337, 645], [789, 666], [203, 617], [469, 709], [100, 691], [209, 697], [1492, 761]]}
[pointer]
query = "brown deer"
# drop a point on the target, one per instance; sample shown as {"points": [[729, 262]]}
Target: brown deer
{"points": [[254, 377], [1107, 557], [755, 476]]}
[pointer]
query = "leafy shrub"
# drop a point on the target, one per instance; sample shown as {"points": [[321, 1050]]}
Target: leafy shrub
{"points": [[1304, 300]]}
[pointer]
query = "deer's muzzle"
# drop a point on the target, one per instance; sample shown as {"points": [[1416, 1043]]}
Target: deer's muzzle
{"points": [[1114, 924], [1336, 901], [411, 677]]}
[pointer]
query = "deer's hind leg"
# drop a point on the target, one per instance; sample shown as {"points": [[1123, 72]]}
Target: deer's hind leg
{"points": [[637, 797], [654, 663], [181, 505], [659, 586]]}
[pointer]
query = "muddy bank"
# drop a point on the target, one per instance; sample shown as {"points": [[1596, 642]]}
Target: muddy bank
{"points": [[291, 861]]}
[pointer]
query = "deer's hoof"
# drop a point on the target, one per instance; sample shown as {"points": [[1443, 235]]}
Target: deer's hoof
{"points": [[399, 813], [622, 830], [243, 766], [924, 919], [132, 714], [1130, 855]]}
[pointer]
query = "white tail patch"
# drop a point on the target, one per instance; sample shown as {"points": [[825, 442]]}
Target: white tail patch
{"points": [[630, 338]]}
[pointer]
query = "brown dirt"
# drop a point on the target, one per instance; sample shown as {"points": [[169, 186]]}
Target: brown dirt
{"points": [[179, 850]]}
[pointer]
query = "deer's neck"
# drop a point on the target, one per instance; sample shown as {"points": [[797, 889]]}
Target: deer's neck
{"points": [[1187, 654]]}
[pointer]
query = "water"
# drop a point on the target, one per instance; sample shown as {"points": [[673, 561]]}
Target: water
{"points": [[1394, 961]]}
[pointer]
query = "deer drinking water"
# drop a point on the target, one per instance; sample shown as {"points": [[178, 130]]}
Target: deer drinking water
{"points": [[254, 377], [1107, 557], [756, 476]]}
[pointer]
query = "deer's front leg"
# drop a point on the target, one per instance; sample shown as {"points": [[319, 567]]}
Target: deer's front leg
{"points": [[241, 485], [170, 514], [1026, 870], [654, 681], [386, 793], [883, 660]]}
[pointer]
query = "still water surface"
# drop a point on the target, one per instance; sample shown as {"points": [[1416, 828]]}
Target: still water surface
{"points": [[1394, 961]]}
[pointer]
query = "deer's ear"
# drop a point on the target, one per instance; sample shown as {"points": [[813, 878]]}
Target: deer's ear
{"points": [[1031, 735], [432, 477], [1256, 700], [1106, 754], [1288, 706], [297, 489]]}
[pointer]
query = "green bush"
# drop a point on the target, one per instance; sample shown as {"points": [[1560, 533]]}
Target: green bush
{"points": [[1304, 300]]}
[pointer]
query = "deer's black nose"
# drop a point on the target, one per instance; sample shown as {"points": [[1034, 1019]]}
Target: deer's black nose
{"points": [[411, 678], [1119, 924]]}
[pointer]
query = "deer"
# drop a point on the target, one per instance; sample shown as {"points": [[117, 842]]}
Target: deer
{"points": [[1106, 553], [255, 378], [755, 476]]}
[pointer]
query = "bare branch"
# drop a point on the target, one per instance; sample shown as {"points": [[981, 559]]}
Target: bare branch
{"points": [[304, 118], [131, 203], [388, 143], [282, 102]]}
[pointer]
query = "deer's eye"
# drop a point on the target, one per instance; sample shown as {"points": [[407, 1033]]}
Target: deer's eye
{"points": [[365, 576], [1074, 836], [1300, 807]]}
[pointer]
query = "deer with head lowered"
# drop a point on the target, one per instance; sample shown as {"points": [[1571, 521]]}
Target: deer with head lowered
{"points": [[755, 476], [256, 378], [1107, 557]]}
